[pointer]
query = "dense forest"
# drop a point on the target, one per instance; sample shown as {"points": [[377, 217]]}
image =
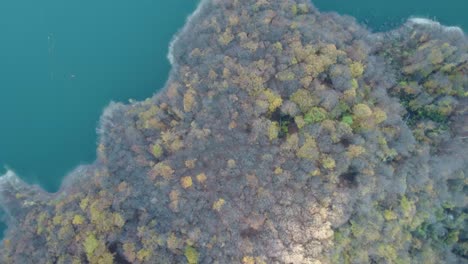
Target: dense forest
{"points": [[283, 135]]}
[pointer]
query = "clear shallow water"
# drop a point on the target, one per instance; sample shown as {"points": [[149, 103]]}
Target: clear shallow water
{"points": [[61, 62]]}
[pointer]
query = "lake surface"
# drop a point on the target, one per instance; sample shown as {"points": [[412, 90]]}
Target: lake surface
{"points": [[380, 15], [61, 62]]}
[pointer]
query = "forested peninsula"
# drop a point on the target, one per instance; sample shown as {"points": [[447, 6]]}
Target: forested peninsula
{"points": [[282, 135]]}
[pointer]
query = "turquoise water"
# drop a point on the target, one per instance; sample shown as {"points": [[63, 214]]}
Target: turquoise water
{"points": [[61, 62]]}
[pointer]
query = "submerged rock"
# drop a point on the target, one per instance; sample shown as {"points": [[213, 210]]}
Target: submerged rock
{"points": [[283, 135]]}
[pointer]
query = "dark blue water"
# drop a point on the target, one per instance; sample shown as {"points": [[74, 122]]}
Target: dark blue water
{"points": [[381, 15]]}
